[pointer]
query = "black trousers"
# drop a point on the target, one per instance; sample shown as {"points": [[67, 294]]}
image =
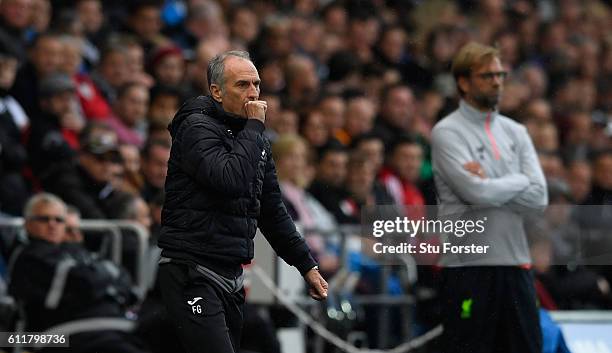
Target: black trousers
{"points": [[489, 310], [206, 318]]}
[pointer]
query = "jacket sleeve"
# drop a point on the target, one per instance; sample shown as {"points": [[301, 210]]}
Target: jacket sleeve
{"points": [[30, 278], [224, 165], [450, 153], [535, 196], [278, 227]]}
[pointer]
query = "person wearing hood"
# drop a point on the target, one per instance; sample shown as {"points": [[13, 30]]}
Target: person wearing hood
{"points": [[221, 186]]}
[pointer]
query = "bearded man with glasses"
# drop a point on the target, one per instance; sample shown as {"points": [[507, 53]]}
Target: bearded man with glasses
{"points": [[486, 168]]}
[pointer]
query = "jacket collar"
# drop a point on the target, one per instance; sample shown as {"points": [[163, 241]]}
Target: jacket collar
{"points": [[229, 119], [471, 113]]}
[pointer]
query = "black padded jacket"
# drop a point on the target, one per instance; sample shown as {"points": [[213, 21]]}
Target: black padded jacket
{"points": [[221, 186]]}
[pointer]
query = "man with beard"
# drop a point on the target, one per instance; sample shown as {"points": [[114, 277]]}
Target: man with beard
{"points": [[485, 167]]}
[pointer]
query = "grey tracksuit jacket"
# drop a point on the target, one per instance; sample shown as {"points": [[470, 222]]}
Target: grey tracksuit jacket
{"points": [[514, 185]]}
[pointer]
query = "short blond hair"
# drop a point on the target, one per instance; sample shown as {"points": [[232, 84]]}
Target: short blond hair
{"points": [[470, 56], [283, 146]]}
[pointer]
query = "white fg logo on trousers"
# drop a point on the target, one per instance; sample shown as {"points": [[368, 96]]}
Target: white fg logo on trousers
{"points": [[195, 309]]}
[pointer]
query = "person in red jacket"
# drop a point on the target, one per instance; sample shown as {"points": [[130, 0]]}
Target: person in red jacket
{"points": [[400, 175]]}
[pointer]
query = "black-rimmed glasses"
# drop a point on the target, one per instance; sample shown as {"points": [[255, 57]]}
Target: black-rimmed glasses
{"points": [[489, 76]]}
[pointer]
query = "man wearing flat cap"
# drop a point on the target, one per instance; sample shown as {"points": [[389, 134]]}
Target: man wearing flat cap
{"points": [[49, 141]]}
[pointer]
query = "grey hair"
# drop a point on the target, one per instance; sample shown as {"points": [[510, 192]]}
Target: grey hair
{"points": [[129, 209], [43, 197], [216, 67]]}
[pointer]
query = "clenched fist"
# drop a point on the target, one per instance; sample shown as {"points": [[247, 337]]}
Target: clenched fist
{"points": [[256, 110]]}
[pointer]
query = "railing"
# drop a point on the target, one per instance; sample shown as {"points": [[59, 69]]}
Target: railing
{"points": [[345, 238], [143, 279]]}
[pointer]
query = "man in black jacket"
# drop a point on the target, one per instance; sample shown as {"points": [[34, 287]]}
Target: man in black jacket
{"points": [[13, 123], [221, 187], [59, 282]]}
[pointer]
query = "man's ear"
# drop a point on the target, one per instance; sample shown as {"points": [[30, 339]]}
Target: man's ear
{"points": [[463, 83], [215, 92]]}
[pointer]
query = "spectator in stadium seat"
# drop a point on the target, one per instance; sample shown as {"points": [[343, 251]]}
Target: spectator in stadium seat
{"points": [[130, 113], [358, 117], [314, 129], [290, 153], [41, 17], [133, 181], [13, 123], [546, 137], [485, 159], [15, 18], [287, 122], [73, 225], [135, 209], [400, 176], [552, 164], [600, 193], [167, 65], [155, 155], [204, 21], [130, 207], [158, 131], [44, 58], [302, 82], [372, 147], [333, 108], [91, 16], [93, 104], [535, 78], [363, 188], [579, 179], [391, 50], [539, 110], [135, 61], [397, 109], [113, 71], [330, 176], [144, 21], [87, 185], [244, 25], [90, 288], [163, 104], [274, 43], [363, 31], [555, 240], [272, 73], [53, 137]]}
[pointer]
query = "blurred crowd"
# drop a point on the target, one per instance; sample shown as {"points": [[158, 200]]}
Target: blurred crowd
{"points": [[354, 87]]}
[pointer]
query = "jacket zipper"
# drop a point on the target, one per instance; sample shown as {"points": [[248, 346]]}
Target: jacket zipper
{"points": [[496, 154]]}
